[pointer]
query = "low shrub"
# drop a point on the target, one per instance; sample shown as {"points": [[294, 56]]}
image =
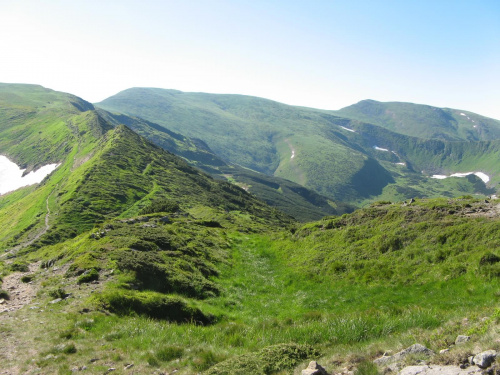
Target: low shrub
{"points": [[269, 360], [154, 305], [88, 276], [161, 205], [4, 294], [26, 278], [169, 353], [19, 267], [58, 293]]}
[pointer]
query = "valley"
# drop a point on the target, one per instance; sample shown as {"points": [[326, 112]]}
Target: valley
{"points": [[195, 233]]}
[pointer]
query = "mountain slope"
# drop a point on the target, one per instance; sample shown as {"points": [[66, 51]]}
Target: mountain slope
{"points": [[424, 121], [293, 199], [104, 172], [314, 148]]}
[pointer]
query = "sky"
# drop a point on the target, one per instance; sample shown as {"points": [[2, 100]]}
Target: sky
{"points": [[320, 54]]}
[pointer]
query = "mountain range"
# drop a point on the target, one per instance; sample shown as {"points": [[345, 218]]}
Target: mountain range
{"points": [[180, 232], [354, 155]]}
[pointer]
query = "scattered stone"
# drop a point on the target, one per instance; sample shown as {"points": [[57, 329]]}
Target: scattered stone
{"points": [[2, 301], [439, 370], [414, 349], [110, 369], [164, 219], [444, 351], [461, 339], [129, 366], [94, 360], [485, 359], [56, 300], [314, 369], [34, 307]]}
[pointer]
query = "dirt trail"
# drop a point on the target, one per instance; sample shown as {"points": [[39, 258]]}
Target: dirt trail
{"points": [[20, 293], [38, 235]]}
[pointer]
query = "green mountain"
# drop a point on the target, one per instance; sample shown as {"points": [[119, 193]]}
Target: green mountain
{"points": [[127, 259], [424, 121], [292, 198], [104, 172], [341, 158]]}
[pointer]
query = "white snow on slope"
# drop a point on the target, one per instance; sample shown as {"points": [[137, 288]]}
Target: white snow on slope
{"points": [[11, 176], [380, 148], [349, 130], [481, 175]]}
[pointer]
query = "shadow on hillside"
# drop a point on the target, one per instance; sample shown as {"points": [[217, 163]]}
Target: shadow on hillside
{"points": [[371, 179]]}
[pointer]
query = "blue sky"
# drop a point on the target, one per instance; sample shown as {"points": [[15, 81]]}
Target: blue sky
{"points": [[322, 54]]}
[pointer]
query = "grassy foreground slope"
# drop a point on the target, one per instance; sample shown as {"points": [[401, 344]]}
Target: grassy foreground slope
{"points": [[342, 290], [320, 150]]}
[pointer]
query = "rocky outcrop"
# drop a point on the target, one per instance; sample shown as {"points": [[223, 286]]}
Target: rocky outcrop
{"points": [[485, 359], [414, 349], [461, 339], [439, 370], [314, 369]]}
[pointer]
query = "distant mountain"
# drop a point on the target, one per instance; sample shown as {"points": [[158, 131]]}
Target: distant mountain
{"points": [[344, 159], [424, 121]]}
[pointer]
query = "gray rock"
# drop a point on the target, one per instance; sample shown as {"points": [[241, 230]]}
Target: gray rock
{"points": [[444, 351], [485, 359], [56, 300], [314, 369], [439, 370], [461, 339], [414, 349]]}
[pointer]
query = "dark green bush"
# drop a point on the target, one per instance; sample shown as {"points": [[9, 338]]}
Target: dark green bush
{"points": [[4, 294], [19, 267], [169, 353], [88, 276], [489, 259], [154, 305], [177, 276], [58, 293], [26, 278], [266, 361], [161, 205]]}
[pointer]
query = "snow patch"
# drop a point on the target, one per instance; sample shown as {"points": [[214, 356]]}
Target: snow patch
{"points": [[463, 114], [401, 163], [481, 175], [293, 154], [380, 148], [349, 130], [11, 176]]}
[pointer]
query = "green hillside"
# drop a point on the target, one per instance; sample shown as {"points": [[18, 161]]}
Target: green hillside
{"points": [[424, 121], [341, 158], [295, 200], [104, 172], [199, 297]]}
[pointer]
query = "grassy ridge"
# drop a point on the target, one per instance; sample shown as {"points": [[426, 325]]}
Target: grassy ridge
{"points": [[293, 199], [424, 121]]}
